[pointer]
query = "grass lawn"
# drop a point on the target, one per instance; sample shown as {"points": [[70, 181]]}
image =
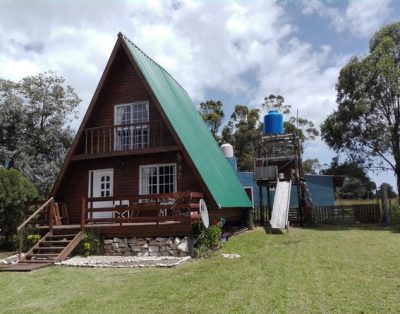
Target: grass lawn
{"points": [[321, 270]]}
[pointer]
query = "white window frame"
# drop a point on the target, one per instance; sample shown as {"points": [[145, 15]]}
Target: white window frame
{"points": [[175, 187], [131, 145], [146, 102]]}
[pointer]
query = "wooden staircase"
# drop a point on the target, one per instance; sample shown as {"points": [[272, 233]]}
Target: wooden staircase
{"points": [[54, 247]]}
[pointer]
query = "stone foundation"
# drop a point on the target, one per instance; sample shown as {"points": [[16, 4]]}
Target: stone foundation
{"points": [[160, 246]]}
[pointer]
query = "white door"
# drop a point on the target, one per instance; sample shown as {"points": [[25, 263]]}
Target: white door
{"points": [[101, 184]]}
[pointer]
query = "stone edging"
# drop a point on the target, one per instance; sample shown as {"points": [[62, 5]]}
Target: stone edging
{"points": [[123, 261]]}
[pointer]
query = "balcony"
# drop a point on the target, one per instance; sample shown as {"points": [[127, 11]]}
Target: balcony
{"points": [[127, 139]]}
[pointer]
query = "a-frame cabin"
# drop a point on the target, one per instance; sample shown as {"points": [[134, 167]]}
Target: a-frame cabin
{"points": [[143, 157]]}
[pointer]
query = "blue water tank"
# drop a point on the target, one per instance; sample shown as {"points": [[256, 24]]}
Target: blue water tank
{"points": [[273, 123]]}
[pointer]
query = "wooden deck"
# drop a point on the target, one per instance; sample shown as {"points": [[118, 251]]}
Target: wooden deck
{"points": [[146, 229], [24, 267]]}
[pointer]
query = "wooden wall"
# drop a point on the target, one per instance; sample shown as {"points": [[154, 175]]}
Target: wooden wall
{"points": [[126, 178], [123, 85]]}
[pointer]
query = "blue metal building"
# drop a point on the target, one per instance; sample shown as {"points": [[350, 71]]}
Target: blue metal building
{"points": [[321, 187]]}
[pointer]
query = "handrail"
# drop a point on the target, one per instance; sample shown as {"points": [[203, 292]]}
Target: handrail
{"points": [[175, 195], [35, 214], [182, 201], [111, 126]]}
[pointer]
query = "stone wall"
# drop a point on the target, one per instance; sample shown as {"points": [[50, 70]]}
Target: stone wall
{"points": [[160, 246]]}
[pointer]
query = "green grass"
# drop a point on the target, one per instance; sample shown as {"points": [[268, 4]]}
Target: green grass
{"points": [[321, 270]]}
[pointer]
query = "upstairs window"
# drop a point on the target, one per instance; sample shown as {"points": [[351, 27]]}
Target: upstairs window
{"points": [[131, 126], [137, 112]]}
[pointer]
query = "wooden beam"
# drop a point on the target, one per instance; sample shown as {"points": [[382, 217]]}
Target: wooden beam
{"points": [[141, 151]]}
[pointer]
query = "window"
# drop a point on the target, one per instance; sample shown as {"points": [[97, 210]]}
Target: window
{"points": [[157, 179], [132, 130], [105, 186]]}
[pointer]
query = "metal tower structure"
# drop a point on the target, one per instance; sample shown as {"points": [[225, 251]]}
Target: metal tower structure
{"points": [[280, 159]]}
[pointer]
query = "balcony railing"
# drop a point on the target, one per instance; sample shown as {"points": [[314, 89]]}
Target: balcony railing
{"points": [[152, 208], [127, 137]]}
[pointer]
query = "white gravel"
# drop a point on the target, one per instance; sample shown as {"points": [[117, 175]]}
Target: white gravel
{"points": [[13, 259], [123, 261]]}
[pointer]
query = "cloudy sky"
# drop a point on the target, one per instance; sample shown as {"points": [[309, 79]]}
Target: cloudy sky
{"points": [[235, 51]]}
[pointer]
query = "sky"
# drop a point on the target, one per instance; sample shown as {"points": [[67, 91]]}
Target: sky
{"points": [[234, 51]]}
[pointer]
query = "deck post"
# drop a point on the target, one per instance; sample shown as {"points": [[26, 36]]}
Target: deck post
{"points": [[83, 213], [21, 234], [260, 198], [51, 215]]}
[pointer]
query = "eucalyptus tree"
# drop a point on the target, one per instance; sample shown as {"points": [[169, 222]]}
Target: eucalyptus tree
{"points": [[212, 114], [366, 124]]}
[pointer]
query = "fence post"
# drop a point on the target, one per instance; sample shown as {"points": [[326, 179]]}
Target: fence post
{"points": [[260, 199]]}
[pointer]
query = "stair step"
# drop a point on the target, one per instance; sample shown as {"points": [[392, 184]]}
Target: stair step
{"points": [[56, 242], [42, 255], [41, 261], [44, 248], [60, 236]]}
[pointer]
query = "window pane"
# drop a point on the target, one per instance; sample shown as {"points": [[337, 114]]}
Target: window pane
{"points": [[157, 179]]}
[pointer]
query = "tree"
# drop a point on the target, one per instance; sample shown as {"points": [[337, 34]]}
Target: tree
{"points": [[242, 132], [366, 124], [311, 166], [212, 114], [15, 190], [305, 128], [34, 135], [357, 183], [390, 191]]}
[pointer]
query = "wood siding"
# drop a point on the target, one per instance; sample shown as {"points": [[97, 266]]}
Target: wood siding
{"points": [[126, 178], [123, 85]]}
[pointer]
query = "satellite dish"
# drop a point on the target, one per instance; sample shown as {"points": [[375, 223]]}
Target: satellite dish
{"points": [[204, 213]]}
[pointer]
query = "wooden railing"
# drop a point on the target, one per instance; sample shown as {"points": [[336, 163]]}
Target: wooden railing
{"points": [[126, 137], [151, 208], [47, 214]]}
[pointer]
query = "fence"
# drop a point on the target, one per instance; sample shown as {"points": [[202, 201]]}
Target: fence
{"points": [[345, 214]]}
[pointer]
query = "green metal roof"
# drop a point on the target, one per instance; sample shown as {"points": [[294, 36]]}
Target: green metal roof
{"points": [[211, 164]]}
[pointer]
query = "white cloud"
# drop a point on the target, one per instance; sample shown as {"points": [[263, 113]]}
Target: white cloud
{"points": [[361, 17], [203, 45], [365, 17]]}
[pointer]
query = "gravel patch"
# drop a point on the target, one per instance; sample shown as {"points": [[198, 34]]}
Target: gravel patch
{"points": [[123, 261], [13, 259]]}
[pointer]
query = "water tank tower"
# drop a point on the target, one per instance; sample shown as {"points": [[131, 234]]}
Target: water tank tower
{"points": [[273, 123]]}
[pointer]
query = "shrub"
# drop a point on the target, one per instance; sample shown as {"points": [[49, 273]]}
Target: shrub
{"points": [[209, 240], [90, 244], [15, 191]]}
